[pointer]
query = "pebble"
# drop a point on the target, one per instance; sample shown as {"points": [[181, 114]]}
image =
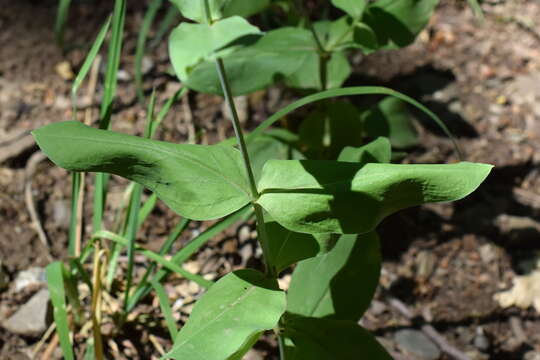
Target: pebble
{"points": [[488, 253], [425, 264], [62, 213], [418, 344], [244, 234], [33, 318], [32, 276], [531, 355], [481, 342]]}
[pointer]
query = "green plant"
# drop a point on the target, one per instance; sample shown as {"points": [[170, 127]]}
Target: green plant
{"points": [[321, 214]]}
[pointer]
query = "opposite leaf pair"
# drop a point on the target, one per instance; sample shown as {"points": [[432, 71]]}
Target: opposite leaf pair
{"points": [[310, 196]]}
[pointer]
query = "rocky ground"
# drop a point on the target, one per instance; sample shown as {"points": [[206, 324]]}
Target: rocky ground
{"points": [[447, 288]]}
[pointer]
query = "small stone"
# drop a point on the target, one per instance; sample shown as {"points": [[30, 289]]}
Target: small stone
{"points": [[531, 355], [481, 342], [425, 264], [244, 234], [123, 75], [246, 253], [32, 276], [33, 318], [147, 65], [64, 70], [61, 213], [488, 253], [253, 354], [418, 344], [377, 307]]}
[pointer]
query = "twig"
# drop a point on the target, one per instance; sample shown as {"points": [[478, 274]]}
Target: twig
{"points": [[44, 338], [30, 170], [50, 348], [156, 344], [429, 330], [527, 197]]}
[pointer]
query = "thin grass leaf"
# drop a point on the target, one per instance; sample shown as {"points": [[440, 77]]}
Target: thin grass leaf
{"points": [[477, 10], [75, 191], [165, 248], [134, 209], [113, 63], [170, 18], [88, 61], [165, 308], [155, 257], [192, 247], [149, 17], [165, 110], [55, 283], [147, 208], [349, 91], [61, 20]]}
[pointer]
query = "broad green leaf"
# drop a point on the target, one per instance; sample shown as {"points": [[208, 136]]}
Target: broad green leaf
{"points": [[397, 23], [365, 38], [198, 182], [194, 9], [391, 118], [190, 44], [229, 316], [345, 33], [377, 151], [338, 284], [244, 8], [324, 339], [287, 247], [355, 8], [268, 147], [347, 198], [307, 75], [274, 56], [325, 132]]}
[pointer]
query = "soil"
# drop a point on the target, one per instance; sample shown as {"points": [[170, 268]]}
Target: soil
{"points": [[445, 262]]}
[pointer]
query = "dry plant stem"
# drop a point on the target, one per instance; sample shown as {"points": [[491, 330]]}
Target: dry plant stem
{"points": [[44, 338], [96, 301], [50, 348], [429, 330], [92, 84], [29, 199]]}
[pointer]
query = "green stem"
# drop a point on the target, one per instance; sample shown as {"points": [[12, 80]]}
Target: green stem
{"points": [[237, 127]]}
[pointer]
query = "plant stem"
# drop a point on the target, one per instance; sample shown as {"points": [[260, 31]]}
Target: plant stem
{"points": [[237, 127]]}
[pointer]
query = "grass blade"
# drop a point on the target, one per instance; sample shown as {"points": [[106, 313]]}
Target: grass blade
{"points": [[165, 110], [88, 61], [165, 248], [155, 257], [477, 10], [73, 222], [113, 64], [55, 283], [149, 17], [348, 91], [61, 20], [171, 16], [165, 308], [147, 208], [134, 209]]}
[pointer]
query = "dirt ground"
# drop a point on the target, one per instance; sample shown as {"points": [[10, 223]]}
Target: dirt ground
{"points": [[443, 262]]}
